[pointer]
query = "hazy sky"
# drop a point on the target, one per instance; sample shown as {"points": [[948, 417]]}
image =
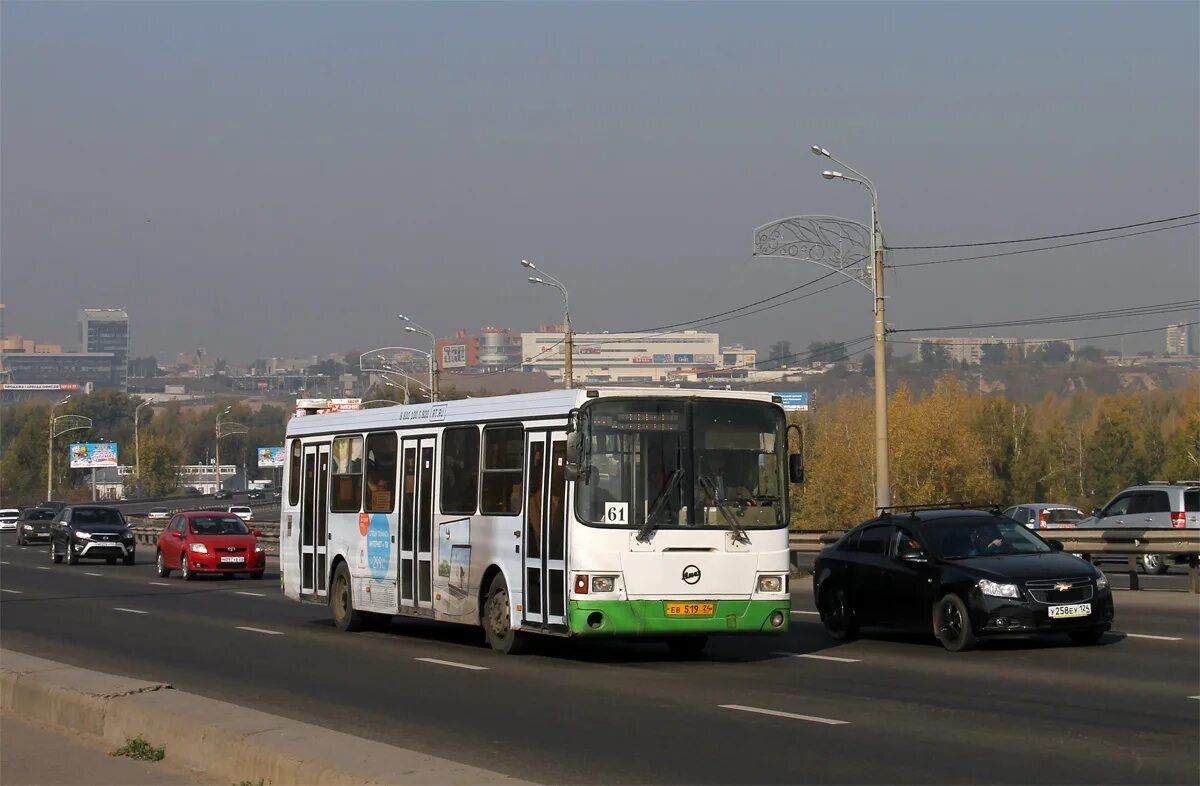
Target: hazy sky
{"points": [[283, 178]]}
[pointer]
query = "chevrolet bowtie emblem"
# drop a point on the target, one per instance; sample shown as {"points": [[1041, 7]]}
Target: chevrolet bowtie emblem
{"points": [[1062, 586]]}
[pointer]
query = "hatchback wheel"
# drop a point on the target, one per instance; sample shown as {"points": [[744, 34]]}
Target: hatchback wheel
{"points": [[952, 624], [161, 564], [185, 572], [1154, 564]]}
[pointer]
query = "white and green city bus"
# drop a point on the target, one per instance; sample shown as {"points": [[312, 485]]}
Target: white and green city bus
{"points": [[614, 512]]}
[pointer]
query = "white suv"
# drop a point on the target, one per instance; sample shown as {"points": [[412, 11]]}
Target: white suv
{"points": [[1154, 505], [244, 512]]}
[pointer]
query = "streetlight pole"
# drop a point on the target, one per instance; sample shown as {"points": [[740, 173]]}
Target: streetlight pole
{"points": [[217, 431], [50, 452], [883, 488], [137, 445], [568, 337], [413, 327]]}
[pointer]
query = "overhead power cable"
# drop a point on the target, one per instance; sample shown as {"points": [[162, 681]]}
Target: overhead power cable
{"points": [[1070, 338], [1044, 237], [1042, 248], [1115, 313]]}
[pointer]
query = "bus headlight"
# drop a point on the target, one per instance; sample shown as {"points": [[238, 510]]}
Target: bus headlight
{"points": [[770, 583], [604, 583]]}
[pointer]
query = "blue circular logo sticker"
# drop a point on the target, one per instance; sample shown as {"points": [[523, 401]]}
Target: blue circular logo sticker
{"points": [[379, 546]]}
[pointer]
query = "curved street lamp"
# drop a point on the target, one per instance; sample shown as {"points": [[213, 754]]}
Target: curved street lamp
{"points": [[546, 279], [69, 423], [413, 327]]}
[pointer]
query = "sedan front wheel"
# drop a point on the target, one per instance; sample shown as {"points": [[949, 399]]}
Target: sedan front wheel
{"points": [[952, 624]]}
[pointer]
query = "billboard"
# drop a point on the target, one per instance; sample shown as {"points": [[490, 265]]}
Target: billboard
{"points": [[683, 359], [643, 359], [706, 358], [35, 386], [794, 402], [270, 457], [588, 349], [662, 358], [86, 455], [454, 356]]}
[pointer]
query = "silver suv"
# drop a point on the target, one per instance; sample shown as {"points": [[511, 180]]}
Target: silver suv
{"points": [[1154, 505]]}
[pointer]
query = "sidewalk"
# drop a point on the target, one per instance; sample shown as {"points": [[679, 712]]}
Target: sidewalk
{"points": [[33, 755]]}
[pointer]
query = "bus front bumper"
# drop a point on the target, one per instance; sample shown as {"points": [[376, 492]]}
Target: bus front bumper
{"points": [[649, 617]]}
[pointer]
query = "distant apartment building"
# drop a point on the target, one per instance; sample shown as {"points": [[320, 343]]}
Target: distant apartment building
{"points": [[970, 350], [86, 370], [106, 331], [739, 357], [622, 357], [1179, 340]]}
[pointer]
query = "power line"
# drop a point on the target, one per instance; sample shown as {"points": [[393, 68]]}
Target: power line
{"points": [[1043, 248], [1072, 338], [1043, 237], [1118, 313]]}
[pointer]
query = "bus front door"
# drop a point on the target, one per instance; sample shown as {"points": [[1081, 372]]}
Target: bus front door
{"points": [[416, 523], [545, 536], [314, 521]]}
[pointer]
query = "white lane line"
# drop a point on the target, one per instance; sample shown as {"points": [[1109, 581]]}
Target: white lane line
{"points": [[778, 714], [159, 584], [1148, 636], [14, 592], [452, 663], [42, 567], [3, 562], [251, 594], [819, 657], [129, 611], [1190, 697], [100, 575], [813, 613], [261, 630]]}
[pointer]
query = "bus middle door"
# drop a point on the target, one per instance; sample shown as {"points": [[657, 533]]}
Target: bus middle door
{"points": [[545, 554]]}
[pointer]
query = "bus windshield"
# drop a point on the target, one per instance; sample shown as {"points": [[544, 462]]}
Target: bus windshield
{"points": [[668, 463]]}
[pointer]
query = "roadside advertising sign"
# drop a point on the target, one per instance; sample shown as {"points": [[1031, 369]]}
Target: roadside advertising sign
{"points": [[86, 455], [794, 402], [270, 457], [454, 356], [684, 359]]}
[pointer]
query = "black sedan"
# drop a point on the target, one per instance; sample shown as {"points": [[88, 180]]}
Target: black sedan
{"points": [[34, 525], [961, 575], [91, 532]]}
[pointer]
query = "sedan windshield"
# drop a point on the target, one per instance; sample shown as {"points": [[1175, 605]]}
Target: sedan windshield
{"points": [[980, 536], [39, 515], [83, 518], [218, 525]]}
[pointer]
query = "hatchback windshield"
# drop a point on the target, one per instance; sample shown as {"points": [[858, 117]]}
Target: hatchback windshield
{"points": [[978, 536], [98, 517], [681, 463], [39, 515], [218, 525], [1061, 515]]}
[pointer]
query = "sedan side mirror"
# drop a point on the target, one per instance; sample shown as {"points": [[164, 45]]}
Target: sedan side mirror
{"points": [[257, 533], [1055, 545], [912, 555], [1096, 512]]}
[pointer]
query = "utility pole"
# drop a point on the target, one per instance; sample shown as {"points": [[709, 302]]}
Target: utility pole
{"points": [[50, 452], [413, 327], [217, 431], [568, 336], [137, 446]]}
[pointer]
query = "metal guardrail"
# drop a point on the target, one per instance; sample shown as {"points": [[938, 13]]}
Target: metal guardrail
{"points": [[1132, 543]]}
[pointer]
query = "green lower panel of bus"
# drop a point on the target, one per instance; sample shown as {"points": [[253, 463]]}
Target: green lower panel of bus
{"points": [[661, 617]]}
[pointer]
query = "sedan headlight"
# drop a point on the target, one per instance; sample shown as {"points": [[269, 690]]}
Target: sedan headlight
{"points": [[83, 535], [770, 583], [998, 590], [199, 548], [1102, 581]]}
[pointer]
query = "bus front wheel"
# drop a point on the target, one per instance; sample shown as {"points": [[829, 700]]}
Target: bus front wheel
{"points": [[341, 601], [497, 620]]}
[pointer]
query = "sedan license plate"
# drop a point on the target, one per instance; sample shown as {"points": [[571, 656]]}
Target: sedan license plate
{"points": [[233, 559], [1073, 610], [691, 609]]}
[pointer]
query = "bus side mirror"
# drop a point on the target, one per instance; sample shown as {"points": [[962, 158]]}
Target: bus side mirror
{"points": [[574, 454], [796, 468]]}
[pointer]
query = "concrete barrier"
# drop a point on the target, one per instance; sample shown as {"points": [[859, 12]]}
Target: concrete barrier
{"points": [[223, 740]]}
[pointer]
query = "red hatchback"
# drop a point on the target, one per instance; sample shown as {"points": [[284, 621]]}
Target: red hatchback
{"points": [[203, 541]]}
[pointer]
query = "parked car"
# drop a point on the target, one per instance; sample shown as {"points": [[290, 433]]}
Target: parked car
{"points": [[223, 494], [244, 512], [91, 532], [159, 513], [205, 541], [1045, 515], [961, 575], [34, 524], [1154, 505], [8, 519]]}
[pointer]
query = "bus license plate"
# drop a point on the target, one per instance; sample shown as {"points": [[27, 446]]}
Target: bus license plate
{"points": [[1073, 610], [691, 609]]}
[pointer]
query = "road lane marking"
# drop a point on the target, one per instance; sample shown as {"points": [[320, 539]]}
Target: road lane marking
{"points": [[129, 611], [778, 714], [452, 663], [3, 562], [1148, 636], [813, 613], [100, 575], [14, 592], [160, 583], [1190, 697], [819, 657], [251, 594], [261, 630], [42, 567]]}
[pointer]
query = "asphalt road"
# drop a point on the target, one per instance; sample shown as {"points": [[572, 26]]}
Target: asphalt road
{"points": [[792, 709]]}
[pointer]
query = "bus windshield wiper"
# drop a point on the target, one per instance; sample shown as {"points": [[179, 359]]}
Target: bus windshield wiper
{"points": [[711, 488], [643, 535]]}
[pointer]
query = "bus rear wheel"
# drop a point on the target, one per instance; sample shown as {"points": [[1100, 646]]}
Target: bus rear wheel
{"points": [[497, 620], [341, 601]]}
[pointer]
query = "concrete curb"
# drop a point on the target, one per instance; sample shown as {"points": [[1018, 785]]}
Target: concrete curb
{"points": [[225, 740]]}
